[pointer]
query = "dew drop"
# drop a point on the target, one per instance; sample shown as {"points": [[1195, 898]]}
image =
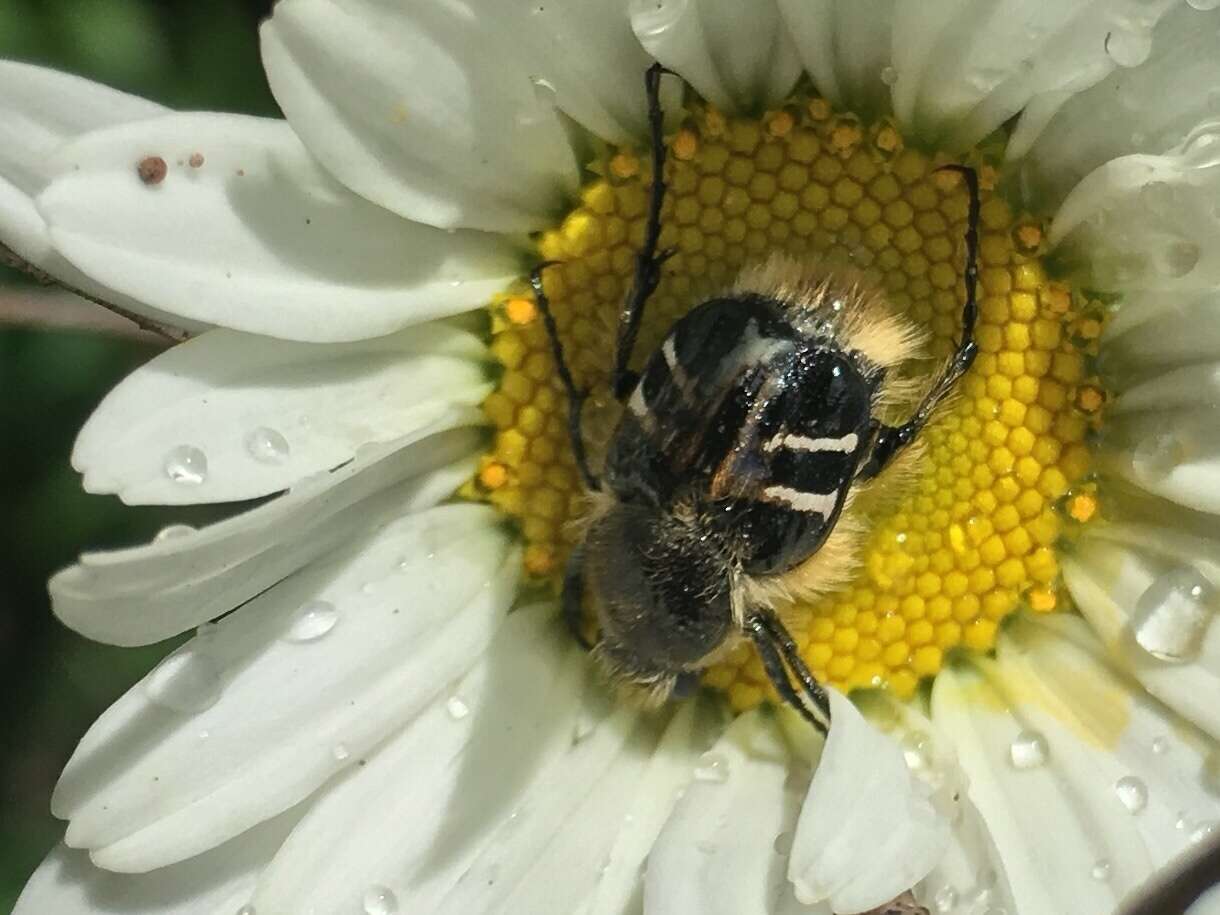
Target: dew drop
{"points": [[783, 844], [456, 708], [889, 75], [1156, 455], [340, 752], [186, 682], [1203, 5], [312, 621], [1172, 615], [246, 910], [1160, 745], [1204, 830], [1132, 792], [380, 900], [1101, 870], [267, 445], [544, 90], [946, 899], [712, 767], [1129, 47], [187, 465], [1028, 750], [1178, 258], [173, 532]]}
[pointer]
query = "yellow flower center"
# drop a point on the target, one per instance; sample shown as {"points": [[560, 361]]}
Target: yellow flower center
{"points": [[973, 537]]}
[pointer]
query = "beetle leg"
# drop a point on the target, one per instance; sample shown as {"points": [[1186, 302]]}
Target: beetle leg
{"points": [[890, 440], [576, 396], [573, 592], [648, 261], [779, 655]]}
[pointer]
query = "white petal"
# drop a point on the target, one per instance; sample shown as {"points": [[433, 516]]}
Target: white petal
{"points": [[416, 107], [251, 716], [40, 110], [414, 818], [717, 854], [740, 58], [257, 237], [266, 414], [1146, 109], [868, 831], [1161, 770], [1107, 578], [963, 69], [693, 729], [142, 595], [1161, 436], [1147, 222], [1156, 329], [1052, 823], [585, 53], [219, 882], [846, 47]]}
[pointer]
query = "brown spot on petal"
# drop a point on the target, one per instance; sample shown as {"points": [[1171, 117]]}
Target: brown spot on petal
{"points": [[196, 160], [152, 169]]}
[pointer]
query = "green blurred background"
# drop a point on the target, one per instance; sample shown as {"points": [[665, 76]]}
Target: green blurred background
{"points": [[185, 54]]}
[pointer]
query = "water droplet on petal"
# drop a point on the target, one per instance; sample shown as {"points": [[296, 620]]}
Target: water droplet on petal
{"points": [[544, 90], [246, 910], [267, 446], [380, 900], [946, 899], [186, 681], [456, 708], [889, 75], [1129, 46], [1132, 792], [1203, 831], [783, 844], [1203, 5], [1028, 750], [340, 752], [1101, 870], [1158, 453], [187, 465], [1160, 745], [173, 532], [1172, 615], [1177, 258], [312, 621], [712, 767]]}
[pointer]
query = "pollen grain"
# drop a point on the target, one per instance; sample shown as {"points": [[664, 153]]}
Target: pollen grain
{"points": [[973, 536]]}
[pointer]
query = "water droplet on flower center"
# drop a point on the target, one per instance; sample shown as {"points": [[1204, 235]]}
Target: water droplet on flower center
{"points": [[1028, 750], [312, 621], [1172, 615], [712, 767], [267, 446], [1132, 792], [186, 682], [380, 900], [187, 465]]}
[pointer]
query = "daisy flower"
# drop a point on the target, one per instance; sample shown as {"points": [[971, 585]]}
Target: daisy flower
{"points": [[379, 710]]}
